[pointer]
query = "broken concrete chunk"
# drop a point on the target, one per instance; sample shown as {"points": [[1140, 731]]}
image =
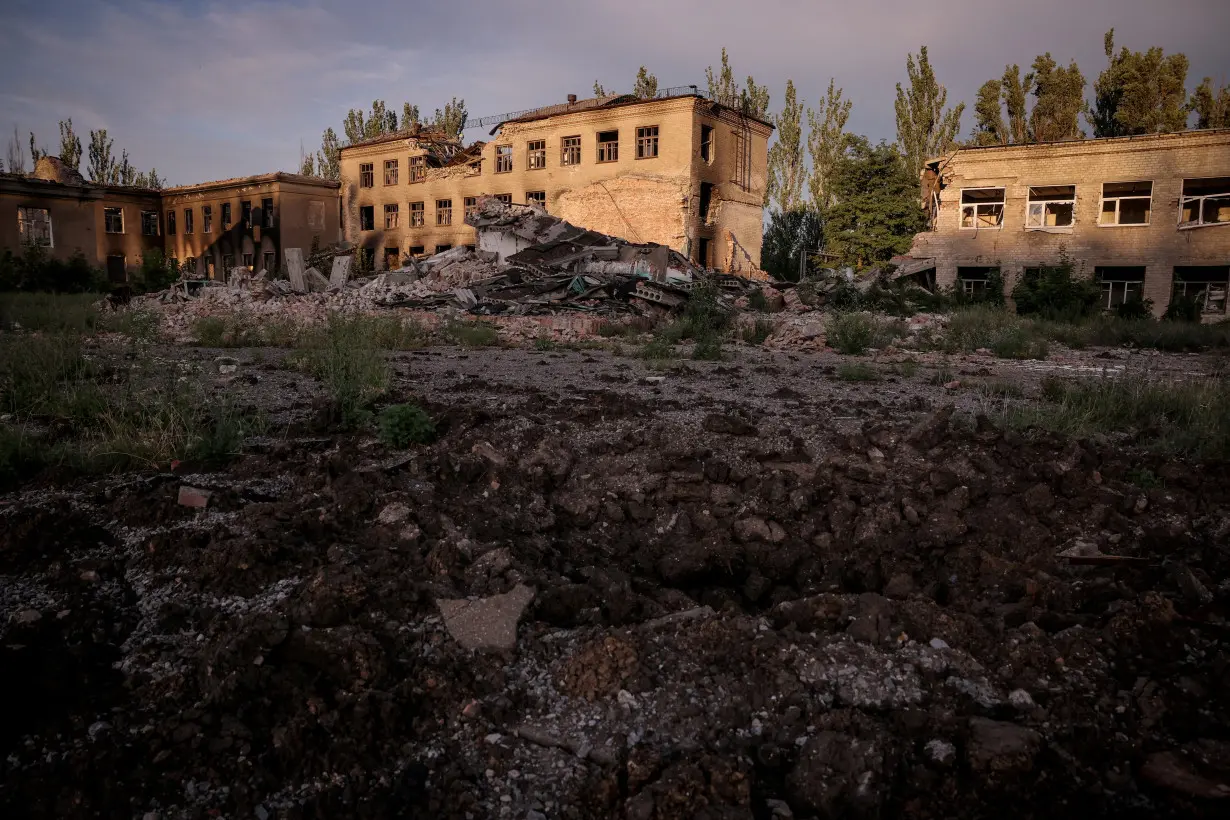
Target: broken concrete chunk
{"points": [[193, 497], [315, 280], [1169, 770], [394, 513], [486, 623], [996, 746], [340, 272], [294, 269]]}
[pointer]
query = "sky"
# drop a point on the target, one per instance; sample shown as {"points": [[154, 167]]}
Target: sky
{"points": [[214, 89]]}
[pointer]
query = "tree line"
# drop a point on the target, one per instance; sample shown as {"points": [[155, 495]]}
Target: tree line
{"points": [[103, 167]]}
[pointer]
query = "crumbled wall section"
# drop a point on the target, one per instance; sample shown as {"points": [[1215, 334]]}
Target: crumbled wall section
{"points": [[637, 207]]}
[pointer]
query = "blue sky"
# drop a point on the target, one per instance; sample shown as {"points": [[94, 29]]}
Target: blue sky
{"points": [[207, 90]]}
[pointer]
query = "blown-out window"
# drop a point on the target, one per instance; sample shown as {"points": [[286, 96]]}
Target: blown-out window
{"points": [[1121, 283], [367, 174], [503, 159], [418, 169], [391, 216], [1050, 206], [1205, 202], [34, 226], [982, 208], [608, 146], [570, 151], [1126, 203], [536, 154], [416, 214], [444, 212]]}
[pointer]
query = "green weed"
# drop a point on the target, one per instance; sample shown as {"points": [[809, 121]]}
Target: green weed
{"points": [[401, 425]]}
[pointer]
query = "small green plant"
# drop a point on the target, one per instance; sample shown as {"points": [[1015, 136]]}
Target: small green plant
{"points": [[611, 330], [756, 301], [471, 333], [851, 333], [1000, 390], [1144, 478], [659, 348], [349, 363], [906, 369], [401, 425], [1183, 309], [545, 344], [1134, 309], [756, 333], [1055, 293], [857, 372]]}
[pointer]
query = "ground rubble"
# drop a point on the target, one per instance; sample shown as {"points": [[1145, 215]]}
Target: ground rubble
{"points": [[710, 615]]}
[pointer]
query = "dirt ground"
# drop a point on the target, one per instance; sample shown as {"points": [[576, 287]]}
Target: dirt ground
{"points": [[759, 591]]}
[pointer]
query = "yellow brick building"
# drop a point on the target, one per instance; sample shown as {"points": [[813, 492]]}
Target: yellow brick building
{"points": [[680, 170], [1147, 216]]}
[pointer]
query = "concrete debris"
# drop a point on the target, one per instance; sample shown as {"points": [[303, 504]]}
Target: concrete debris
{"points": [[486, 623], [193, 497]]}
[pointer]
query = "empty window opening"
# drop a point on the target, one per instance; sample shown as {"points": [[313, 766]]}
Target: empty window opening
{"points": [[740, 175], [417, 250], [34, 227], [1120, 284], [171, 223], [706, 199], [1206, 285], [982, 208], [608, 146], [390, 172], [702, 252], [503, 159], [113, 220], [245, 215], [269, 260], [1050, 206], [536, 154], [444, 212], [974, 281], [149, 223], [647, 142], [367, 218], [367, 258], [266, 213], [392, 258], [367, 175], [226, 215], [207, 219], [416, 214], [187, 220], [228, 262], [117, 271], [471, 205], [1205, 202], [391, 216], [248, 260], [570, 151], [418, 169], [442, 248], [538, 198], [1126, 203], [211, 271], [706, 143], [505, 198]]}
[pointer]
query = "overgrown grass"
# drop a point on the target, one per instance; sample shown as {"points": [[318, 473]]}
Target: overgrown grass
{"points": [[401, 425], [49, 312], [349, 361], [852, 333], [1190, 418], [705, 321], [756, 333], [857, 372], [471, 333], [1005, 335]]}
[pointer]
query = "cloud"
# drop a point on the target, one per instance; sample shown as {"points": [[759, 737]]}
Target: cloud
{"points": [[223, 88]]}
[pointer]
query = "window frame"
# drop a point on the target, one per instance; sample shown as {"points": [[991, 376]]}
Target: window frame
{"points": [[536, 158], [249, 261], [961, 206], [608, 147], [228, 262], [1030, 202], [469, 205], [25, 226], [418, 169], [643, 139], [504, 159], [269, 260], [505, 198], [392, 171], [536, 197], [392, 216], [1184, 199], [171, 226], [367, 174], [1118, 199], [444, 213], [1107, 286], [370, 223], [228, 216], [188, 226], [418, 215], [267, 212], [706, 146], [570, 150], [207, 219], [245, 214], [109, 212]]}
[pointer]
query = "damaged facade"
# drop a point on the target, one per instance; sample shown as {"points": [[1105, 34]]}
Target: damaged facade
{"points": [[1147, 216], [680, 171]]}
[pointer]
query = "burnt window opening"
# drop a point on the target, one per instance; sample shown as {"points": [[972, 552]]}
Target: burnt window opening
{"points": [[1050, 206], [982, 208], [471, 205], [391, 216], [367, 175], [226, 215], [207, 219], [1205, 202], [444, 212], [245, 215], [171, 223], [228, 262], [266, 213], [538, 198], [367, 258], [34, 227], [570, 151], [418, 169], [536, 155], [608, 146], [390, 172], [505, 198], [742, 166], [1126, 203], [367, 218], [117, 269], [647, 142], [417, 250], [113, 220], [1205, 285], [149, 223], [443, 248], [269, 260], [503, 159], [417, 212], [974, 281], [210, 266], [248, 260], [706, 200], [706, 143], [187, 221], [392, 258], [1120, 283], [702, 252]]}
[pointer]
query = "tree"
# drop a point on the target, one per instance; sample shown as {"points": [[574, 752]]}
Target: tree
{"points": [[102, 161], [150, 180], [1014, 90], [826, 142], [1139, 93], [16, 156], [70, 145], [989, 127], [452, 120], [35, 153], [1059, 100], [307, 165], [786, 163], [924, 128], [329, 157], [409, 117], [646, 85], [876, 211], [599, 91], [752, 100], [1211, 106], [792, 237]]}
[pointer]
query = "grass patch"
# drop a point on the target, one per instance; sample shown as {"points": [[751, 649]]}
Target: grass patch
{"points": [[401, 425], [756, 333], [545, 344], [1000, 390], [612, 330], [349, 362], [906, 369], [658, 349], [851, 333], [470, 333], [49, 312], [857, 372]]}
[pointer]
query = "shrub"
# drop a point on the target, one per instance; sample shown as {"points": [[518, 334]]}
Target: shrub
{"points": [[844, 296], [857, 372], [1135, 309], [756, 333], [545, 344], [470, 333], [155, 273], [1005, 335], [1183, 309], [756, 301], [1054, 293], [850, 333], [401, 425], [659, 348], [35, 270], [350, 364], [49, 312]]}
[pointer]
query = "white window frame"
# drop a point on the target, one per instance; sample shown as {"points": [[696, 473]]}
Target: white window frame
{"points": [[977, 206], [1199, 200], [503, 159], [121, 210], [535, 158], [1117, 224], [1109, 287], [1030, 202], [25, 226]]}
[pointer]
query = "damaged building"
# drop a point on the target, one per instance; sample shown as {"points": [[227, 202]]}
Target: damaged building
{"points": [[678, 170], [1146, 216]]}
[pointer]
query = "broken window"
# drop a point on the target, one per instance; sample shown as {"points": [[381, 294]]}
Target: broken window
{"points": [[226, 215], [538, 198], [392, 258], [34, 227], [444, 212], [268, 260], [536, 154], [207, 219], [1205, 202], [471, 205], [706, 143], [503, 159], [367, 218], [417, 250], [442, 248], [702, 252], [367, 175], [113, 220], [367, 258], [210, 267], [228, 262], [187, 221], [245, 215], [149, 223], [171, 223], [117, 270], [505, 198], [1206, 285], [740, 165], [418, 169], [570, 151], [1120, 284], [390, 216], [974, 281], [706, 199], [608, 146], [982, 208], [266, 213], [1126, 203], [416, 214], [1050, 206], [647, 142], [248, 260], [390, 172]]}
